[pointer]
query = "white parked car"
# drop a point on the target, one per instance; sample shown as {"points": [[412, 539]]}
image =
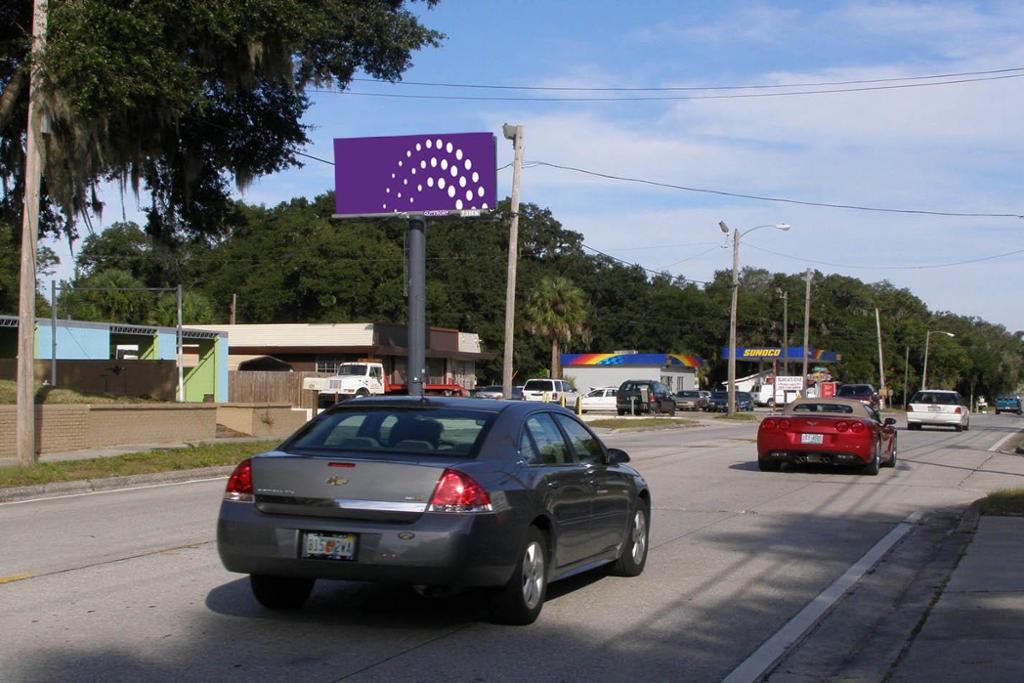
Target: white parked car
{"points": [[940, 408], [551, 390], [602, 398]]}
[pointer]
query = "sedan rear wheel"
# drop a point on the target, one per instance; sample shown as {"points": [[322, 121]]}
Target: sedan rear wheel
{"points": [[634, 550], [280, 592], [520, 601]]}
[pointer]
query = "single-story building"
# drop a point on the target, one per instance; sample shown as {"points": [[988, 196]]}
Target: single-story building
{"points": [[589, 370], [134, 360], [320, 347]]}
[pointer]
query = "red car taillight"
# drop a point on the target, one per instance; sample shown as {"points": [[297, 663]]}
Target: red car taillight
{"points": [[857, 427], [957, 410], [842, 427], [239, 486], [768, 423], [458, 492], [910, 409], [784, 423]]}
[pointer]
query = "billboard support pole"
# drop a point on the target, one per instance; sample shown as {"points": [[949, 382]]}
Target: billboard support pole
{"points": [[417, 350]]}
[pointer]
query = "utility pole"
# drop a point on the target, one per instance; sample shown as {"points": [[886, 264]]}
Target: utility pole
{"points": [[906, 377], [732, 320], [785, 331], [25, 436], [515, 134], [234, 309], [807, 325], [881, 365]]}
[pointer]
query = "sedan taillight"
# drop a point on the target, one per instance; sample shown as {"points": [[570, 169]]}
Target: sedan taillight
{"points": [[958, 411], [768, 423], [910, 409], [857, 427], [842, 426], [458, 492], [239, 486], [784, 423]]}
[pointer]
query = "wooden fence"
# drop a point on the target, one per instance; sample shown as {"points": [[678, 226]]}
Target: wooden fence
{"points": [[256, 386]]}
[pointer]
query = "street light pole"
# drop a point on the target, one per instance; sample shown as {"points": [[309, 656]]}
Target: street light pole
{"points": [[924, 372], [736, 234]]}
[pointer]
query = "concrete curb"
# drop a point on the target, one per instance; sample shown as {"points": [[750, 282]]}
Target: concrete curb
{"points": [[65, 488]]}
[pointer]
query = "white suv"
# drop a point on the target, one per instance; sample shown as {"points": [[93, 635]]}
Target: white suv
{"points": [[938, 407], [549, 389]]}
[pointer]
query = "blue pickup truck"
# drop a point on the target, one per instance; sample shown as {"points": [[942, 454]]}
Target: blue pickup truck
{"points": [[1008, 404]]}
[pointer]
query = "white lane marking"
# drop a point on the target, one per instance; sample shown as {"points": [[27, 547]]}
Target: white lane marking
{"points": [[758, 663], [105, 491], [999, 444]]}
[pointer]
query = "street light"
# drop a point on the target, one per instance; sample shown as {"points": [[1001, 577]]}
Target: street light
{"points": [[736, 234], [924, 373]]}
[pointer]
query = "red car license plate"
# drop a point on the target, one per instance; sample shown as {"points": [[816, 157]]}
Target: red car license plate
{"points": [[328, 545], [812, 438]]}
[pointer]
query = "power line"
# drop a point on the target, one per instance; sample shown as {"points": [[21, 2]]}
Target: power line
{"points": [[740, 195], [637, 265], [920, 267], [669, 98], [490, 86]]}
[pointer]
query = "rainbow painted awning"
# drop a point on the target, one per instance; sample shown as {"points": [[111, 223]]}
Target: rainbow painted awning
{"points": [[659, 360]]}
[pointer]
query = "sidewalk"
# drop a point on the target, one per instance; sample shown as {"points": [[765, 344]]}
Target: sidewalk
{"points": [[976, 629]]}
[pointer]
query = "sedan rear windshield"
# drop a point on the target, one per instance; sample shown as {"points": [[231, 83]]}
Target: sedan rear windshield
{"points": [[935, 398], [387, 432], [539, 385]]}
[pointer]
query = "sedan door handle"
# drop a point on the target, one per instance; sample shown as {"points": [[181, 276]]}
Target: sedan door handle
{"points": [[553, 484]]}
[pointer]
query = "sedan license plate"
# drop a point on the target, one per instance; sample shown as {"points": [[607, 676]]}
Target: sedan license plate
{"points": [[812, 438], [328, 546], [935, 409]]}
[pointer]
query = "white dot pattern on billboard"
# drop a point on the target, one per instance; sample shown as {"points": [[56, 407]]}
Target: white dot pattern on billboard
{"points": [[436, 152]]}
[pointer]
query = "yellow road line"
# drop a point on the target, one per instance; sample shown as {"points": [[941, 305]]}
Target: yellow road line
{"points": [[14, 577]]}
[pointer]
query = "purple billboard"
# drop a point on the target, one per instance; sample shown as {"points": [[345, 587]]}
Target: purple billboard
{"points": [[433, 174]]}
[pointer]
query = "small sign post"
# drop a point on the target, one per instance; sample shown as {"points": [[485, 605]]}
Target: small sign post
{"points": [[413, 177]]}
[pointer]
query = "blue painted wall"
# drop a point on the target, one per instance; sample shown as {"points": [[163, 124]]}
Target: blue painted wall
{"points": [[73, 342]]}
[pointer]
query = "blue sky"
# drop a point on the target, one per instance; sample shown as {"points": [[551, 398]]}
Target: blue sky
{"points": [[947, 148]]}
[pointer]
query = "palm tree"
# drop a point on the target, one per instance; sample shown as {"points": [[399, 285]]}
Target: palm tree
{"points": [[556, 309]]}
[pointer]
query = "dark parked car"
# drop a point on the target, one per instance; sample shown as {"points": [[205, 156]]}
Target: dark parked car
{"points": [[640, 396], [438, 492], [719, 401], [690, 400], [865, 393]]}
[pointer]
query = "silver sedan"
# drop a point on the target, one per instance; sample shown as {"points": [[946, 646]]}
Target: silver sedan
{"points": [[504, 495]]}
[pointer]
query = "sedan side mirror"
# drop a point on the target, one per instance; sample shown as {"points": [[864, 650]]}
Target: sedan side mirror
{"points": [[617, 456], [889, 421]]}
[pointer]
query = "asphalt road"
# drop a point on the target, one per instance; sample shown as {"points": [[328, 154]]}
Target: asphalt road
{"points": [[127, 585]]}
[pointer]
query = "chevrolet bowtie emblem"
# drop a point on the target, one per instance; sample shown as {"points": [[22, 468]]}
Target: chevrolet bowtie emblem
{"points": [[337, 481]]}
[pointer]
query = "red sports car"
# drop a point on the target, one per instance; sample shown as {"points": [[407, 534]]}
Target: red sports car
{"points": [[832, 431]]}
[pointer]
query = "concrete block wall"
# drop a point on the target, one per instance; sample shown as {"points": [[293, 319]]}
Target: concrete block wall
{"points": [[61, 428]]}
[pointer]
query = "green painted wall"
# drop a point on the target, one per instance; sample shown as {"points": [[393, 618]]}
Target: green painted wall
{"points": [[202, 379]]}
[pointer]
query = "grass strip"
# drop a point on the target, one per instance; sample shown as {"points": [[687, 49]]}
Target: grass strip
{"points": [[739, 417], [145, 462], [1004, 503], [643, 423]]}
